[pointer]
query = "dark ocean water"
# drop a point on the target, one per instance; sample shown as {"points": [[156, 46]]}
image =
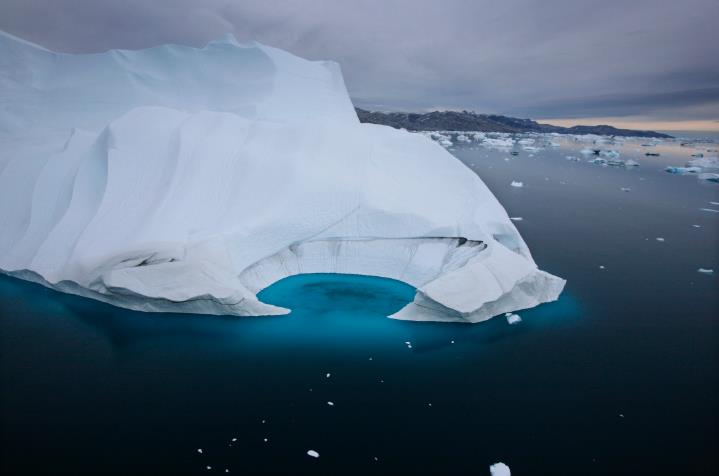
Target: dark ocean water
{"points": [[617, 377]]}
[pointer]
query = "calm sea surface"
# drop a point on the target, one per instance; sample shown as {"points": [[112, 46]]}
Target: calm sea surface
{"points": [[617, 377]]}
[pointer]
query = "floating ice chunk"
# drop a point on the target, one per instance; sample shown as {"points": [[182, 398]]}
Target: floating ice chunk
{"points": [[313, 453], [598, 161], [660, 238], [705, 271], [610, 154], [493, 143], [517, 184], [499, 469], [626, 189], [697, 226], [328, 375], [709, 177], [588, 151], [555, 144], [331, 404], [515, 218], [631, 163], [572, 158], [705, 162], [513, 318], [199, 450], [531, 148], [462, 138], [683, 170], [709, 210]]}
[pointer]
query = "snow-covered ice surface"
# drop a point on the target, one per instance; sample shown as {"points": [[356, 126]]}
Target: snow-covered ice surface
{"points": [[186, 180]]}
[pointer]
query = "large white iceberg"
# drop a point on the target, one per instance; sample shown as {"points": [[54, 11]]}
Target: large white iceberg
{"points": [[186, 180]]}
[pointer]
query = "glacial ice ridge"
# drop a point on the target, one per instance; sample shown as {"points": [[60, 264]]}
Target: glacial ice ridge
{"points": [[186, 179]]}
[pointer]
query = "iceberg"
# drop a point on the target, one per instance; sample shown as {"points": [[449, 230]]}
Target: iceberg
{"points": [[499, 469], [181, 179]]}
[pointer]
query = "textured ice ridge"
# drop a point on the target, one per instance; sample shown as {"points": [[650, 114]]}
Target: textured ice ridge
{"points": [[181, 179]]}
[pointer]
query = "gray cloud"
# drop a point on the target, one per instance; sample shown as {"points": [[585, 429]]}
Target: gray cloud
{"points": [[552, 58]]}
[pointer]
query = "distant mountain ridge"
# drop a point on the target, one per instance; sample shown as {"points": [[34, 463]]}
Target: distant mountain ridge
{"points": [[471, 121]]}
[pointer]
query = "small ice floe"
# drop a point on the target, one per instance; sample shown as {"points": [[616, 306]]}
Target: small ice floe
{"points": [[709, 177], [601, 266], [705, 162], [499, 469], [498, 143], [588, 151], [705, 271], [621, 415], [531, 148], [512, 318], [332, 404], [328, 375], [555, 144], [208, 467], [313, 453], [234, 439], [626, 189], [709, 210], [573, 158], [713, 203], [199, 450], [516, 218], [265, 440], [659, 238], [598, 161], [631, 163], [683, 170], [610, 154], [517, 184], [697, 226]]}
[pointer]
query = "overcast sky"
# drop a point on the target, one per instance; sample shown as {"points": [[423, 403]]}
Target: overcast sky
{"points": [[531, 58]]}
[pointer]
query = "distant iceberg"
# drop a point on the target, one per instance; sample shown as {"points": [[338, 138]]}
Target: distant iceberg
{"points": [[187, 180]]}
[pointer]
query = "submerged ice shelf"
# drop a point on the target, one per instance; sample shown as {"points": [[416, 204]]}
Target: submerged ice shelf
{"points": [[187, 180]]}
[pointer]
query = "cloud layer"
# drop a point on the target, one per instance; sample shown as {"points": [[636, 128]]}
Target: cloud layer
{"points": [[552, 58]]}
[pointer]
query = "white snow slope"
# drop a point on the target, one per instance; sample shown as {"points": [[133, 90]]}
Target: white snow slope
{"points": [[186, 180]]}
